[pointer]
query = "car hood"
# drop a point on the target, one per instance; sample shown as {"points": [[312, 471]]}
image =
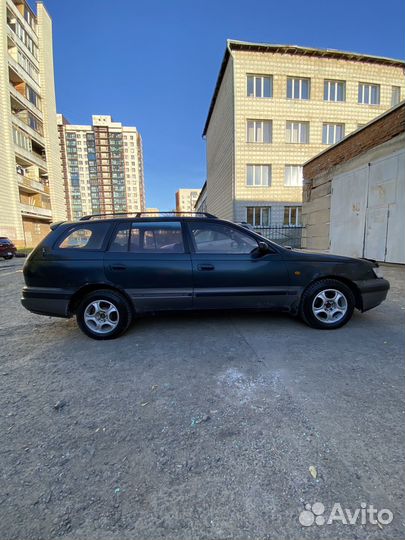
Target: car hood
{"points": [[303, 255]]}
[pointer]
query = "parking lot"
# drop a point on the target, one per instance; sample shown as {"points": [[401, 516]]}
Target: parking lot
{"points": [[199, 425]]}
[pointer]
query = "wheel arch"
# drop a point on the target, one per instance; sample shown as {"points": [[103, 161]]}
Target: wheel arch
{"points": [[90, 287], [352, 286]]}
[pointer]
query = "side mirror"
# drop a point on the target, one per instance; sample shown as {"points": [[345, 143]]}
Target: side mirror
{"points": [[262, 248]]}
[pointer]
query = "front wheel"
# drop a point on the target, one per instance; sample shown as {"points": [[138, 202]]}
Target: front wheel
{"points": [[327, 304], [104, 314]]}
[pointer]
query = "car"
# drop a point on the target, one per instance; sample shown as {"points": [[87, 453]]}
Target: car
{"points": [[7, 248], [105, 269]]}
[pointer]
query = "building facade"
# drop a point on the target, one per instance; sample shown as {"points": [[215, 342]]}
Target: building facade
{"points": [[201, 202], [354, 192], [102, 167], [186, 199], [274, 107], [31, 183]]}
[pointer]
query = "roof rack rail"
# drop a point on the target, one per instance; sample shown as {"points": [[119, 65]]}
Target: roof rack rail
{"points": [[147, 214]]}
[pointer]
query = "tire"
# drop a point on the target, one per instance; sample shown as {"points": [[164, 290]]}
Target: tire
{"points": [[104, 314], [9, 257], [327, 304]]}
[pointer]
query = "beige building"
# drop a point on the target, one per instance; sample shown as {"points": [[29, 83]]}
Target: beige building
{"points": [[31, 183], [274, 107], [186, 199], [102, 167]]}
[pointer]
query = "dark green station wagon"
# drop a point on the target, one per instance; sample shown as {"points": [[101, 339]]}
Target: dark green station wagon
{"points": [[105, 269]]}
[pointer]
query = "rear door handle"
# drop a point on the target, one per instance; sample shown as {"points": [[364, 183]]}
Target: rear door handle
{"points": [[205, 267], [118, 267]]}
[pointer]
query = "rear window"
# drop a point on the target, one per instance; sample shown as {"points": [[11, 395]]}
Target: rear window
{"points": [[88, 236]]}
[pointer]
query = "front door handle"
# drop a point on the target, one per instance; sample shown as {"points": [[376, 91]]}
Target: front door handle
{"points": [[118, 267], [205, 267]]}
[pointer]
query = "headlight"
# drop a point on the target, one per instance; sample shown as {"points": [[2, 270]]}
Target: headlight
{"points": [[378, 272]]}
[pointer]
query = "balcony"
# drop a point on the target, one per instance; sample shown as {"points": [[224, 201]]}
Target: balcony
{"points": [[40, 212], [30, 157], [19, 121], [32, 185], [26, 103]]}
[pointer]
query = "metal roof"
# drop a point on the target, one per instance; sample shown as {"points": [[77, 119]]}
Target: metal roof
{"points": [[292, 50]]}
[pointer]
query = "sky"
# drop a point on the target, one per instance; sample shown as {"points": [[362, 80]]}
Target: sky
{"points": [[153, 64]]}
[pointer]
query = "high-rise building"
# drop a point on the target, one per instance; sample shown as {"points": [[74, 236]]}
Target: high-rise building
{"points": [[186, 199], [276, 106], [31, 183], [102, 167]]}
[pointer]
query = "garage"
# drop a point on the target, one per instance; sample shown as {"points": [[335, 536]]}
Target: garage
{"points": [[354, 193]]}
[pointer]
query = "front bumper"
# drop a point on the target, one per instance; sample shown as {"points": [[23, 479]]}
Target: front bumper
{"points": [[46, 301], [372, 292]]}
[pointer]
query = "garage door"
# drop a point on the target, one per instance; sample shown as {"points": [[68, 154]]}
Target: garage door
{"points": [[367, 211], [348, 213]]}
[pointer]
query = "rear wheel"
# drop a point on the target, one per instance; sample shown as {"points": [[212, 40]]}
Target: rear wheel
{"points": [[8, 257], [327, 304], [104, 314]]}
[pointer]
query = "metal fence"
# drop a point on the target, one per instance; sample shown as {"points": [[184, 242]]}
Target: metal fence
{"points": [[285, 236]]}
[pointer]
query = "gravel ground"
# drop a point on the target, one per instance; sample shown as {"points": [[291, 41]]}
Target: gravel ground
{"points": [[200, 425]]}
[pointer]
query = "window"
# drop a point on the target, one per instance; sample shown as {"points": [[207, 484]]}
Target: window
{"points": [[332, 133], [258, 216], [218, 238], [260, 86], [259, 131], [293, 175], [298, 88], [258, 175], [21, 139], [297, 132], [369, 94], [292, 216], [89, 236], [395, 95], [334, 90], [159, 237]]}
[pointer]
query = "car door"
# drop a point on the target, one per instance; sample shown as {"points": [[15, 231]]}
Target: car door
{"points": [[230, 271], [148, 259]]}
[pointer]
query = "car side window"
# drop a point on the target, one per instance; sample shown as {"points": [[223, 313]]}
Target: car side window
{"points": [[219, 238], [156, 237], [86, 236], [120, 239]]}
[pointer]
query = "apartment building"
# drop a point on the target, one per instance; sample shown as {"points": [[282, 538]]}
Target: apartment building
{"points": [[186, 199], [276, 106], [31, 183], [102, 167]]}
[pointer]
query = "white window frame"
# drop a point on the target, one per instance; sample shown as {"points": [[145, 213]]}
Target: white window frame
{"points": [[365, 93], [290, 128], [262, 77], [293, 172], [257, 175], [261, 212], [300, 81], [255, 126], [330, 87], [395, 95], [331, 132], [297, 216]]}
